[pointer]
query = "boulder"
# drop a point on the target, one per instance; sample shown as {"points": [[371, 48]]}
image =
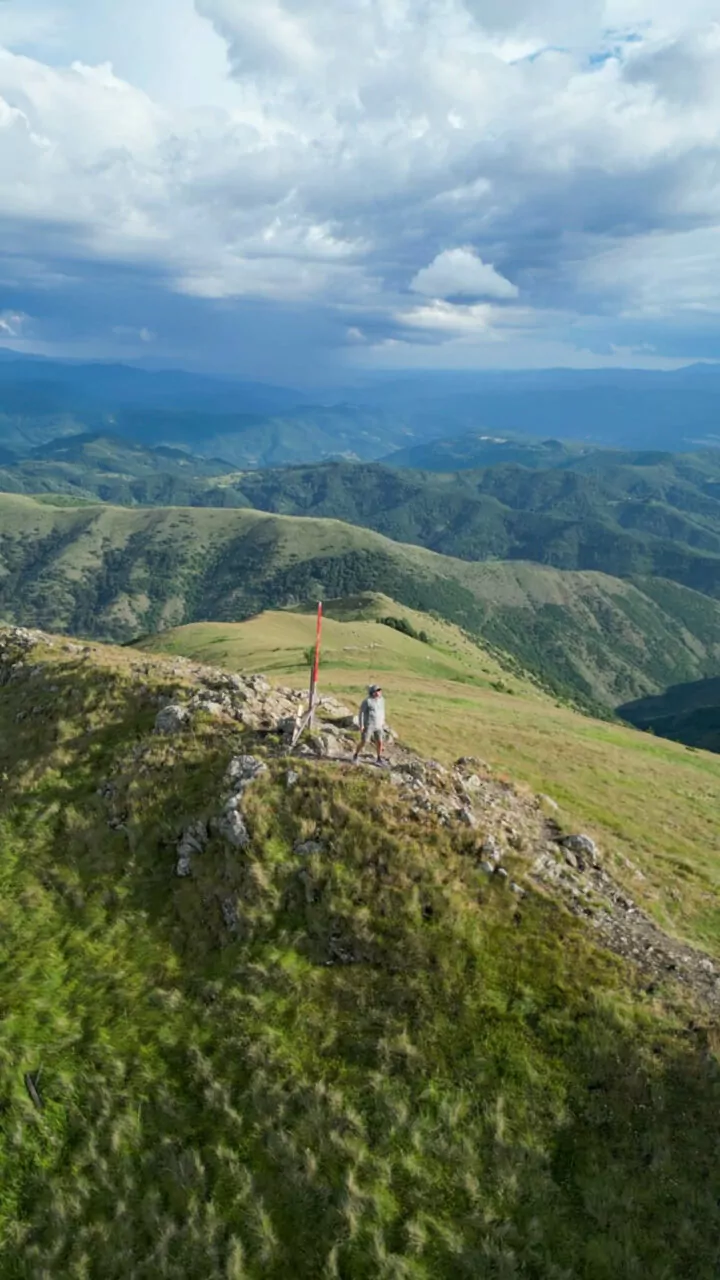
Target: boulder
{"points": [[243, 770], [584, 848], [172, 719]]}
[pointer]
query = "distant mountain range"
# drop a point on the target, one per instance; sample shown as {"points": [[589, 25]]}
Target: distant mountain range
{"points": [[255, 425]]}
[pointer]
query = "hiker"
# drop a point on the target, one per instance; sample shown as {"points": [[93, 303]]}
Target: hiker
{"points": [[372, 722]]}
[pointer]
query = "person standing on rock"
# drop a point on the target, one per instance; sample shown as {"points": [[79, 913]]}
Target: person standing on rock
{"points": [[372, 722]]}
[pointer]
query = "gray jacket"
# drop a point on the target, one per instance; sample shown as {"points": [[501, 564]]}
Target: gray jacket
{"points": [[372, 715]]}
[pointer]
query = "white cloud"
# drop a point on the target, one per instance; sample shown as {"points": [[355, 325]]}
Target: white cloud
{"points": [[658, 275], [354, 142], [12, 323], [461, 273]]}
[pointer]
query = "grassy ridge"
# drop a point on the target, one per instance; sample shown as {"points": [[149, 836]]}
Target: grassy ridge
{"points": [[483, 1092], [116, 573], [653, 803]]}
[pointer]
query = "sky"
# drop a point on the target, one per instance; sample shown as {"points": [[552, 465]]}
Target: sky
{"points": [[295, 189]]}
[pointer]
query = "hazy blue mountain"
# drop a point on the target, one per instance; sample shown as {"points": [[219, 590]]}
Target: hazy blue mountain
{"points": [[40, 399]]}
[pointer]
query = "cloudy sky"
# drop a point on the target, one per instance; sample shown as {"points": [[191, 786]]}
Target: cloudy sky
{"points": [[298, 188]]}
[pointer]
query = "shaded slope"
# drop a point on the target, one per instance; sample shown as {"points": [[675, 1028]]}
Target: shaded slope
{"points": [[688, 713]]}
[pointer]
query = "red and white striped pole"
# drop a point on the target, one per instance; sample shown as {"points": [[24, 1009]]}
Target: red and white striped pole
{"points": [[316, 666]]}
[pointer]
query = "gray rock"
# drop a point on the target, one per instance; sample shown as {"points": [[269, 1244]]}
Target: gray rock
{"points": [[214, 709], [231, 826], [501, 873], [230, 914], [258, 684], [471, 764], [571, 859], [585, 850], [192, 842], [413, 769], [291, 778], [473, 783], [517, 889], [172, 719], [467, 817], [491, 849], [243, 770], [487, 867], [307, 847]]}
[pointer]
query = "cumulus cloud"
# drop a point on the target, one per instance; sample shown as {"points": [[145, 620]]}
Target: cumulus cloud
{"points": [[461, 273], [352, 157]]}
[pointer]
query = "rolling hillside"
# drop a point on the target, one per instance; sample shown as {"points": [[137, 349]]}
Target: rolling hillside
{"points": [[116, 573], [320, 1037], [628, 515]]}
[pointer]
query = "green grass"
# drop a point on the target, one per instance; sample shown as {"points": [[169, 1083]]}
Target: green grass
{"points": [[651, 802], [476, 1091]]}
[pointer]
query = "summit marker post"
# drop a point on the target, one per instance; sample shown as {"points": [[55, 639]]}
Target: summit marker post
{"points": [[309, 717], [316, 667]]}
